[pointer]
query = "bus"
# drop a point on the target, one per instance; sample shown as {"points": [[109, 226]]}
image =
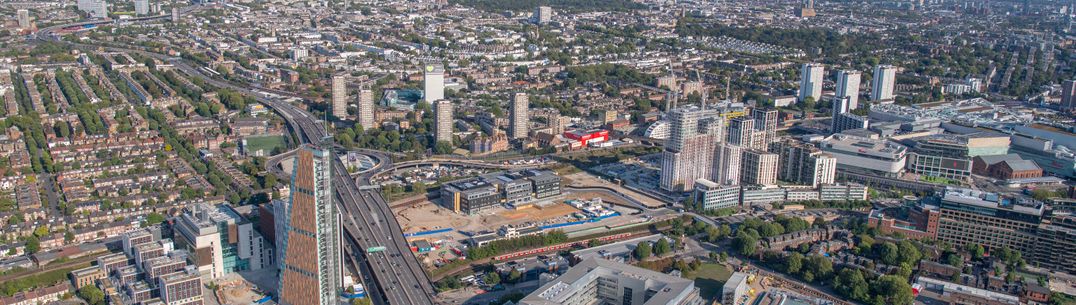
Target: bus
{"points": [[372, 250]]}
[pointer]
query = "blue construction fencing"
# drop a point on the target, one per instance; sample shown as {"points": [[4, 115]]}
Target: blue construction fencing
{"points": [[430, 232]]}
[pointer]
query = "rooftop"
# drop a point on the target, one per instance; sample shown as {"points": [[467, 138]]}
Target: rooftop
{"points": [[669, 289]]}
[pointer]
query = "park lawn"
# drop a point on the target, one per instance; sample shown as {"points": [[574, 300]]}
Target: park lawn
{"points": [[710, 278], [265, 143]]}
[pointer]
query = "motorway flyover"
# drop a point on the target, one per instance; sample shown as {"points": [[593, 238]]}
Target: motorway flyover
{"points": [[393, 276]]}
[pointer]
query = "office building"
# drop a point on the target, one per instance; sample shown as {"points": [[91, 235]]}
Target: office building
{"points": [[87, 276], [842, 192], [481, 194], [667, 82], [433, 80], [311, 271], [497, 142], [883, 82], [520, 116], [811, 81], [765, 121], [735, 288], [24, 18], [848, 121], [848, 87], [843, 119], [173, 262], [866, 156], [93, 8], [709, 195], [761, 194], [989, 219], [543, 15], [339, 96], [804, 163], [601, 281], [1056, 243], [141, 7], [299, 53], [181, 288], [132, 239], [1068, 94], [741, 132], [224, 241], [727, 164], [367, 111], [693, 87], [806, 10], [758, 167], [841, 105], [443, 121], [951, 156], [689, 150]]}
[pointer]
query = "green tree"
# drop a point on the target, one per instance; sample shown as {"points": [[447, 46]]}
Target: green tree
{"points": [[153, 219], [514, 276], [909, 253], [894, 290], [745, 244], [807, 104], [850, 283], [955, 259], [41, 231], [492, 278], [888, 252], [662, 247], [418, 187], [442, 147], [92, 295], [975, 250], [642, 250], [794, 263]]}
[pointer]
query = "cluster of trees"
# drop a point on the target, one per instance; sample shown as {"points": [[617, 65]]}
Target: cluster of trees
{"points": [[562, 106], [904, 254], [507, 245], [92, 295], [448, 283], [151, 87], [36, 280], [567, 5], [812, 268], [255, 168], [752, 230], [494, 278], [607, 75], [828, 41], [185, 150], [95, 85], [644, 250], [29, 122], [839, 204], [861, 287], [379, 139], [669, 264]]}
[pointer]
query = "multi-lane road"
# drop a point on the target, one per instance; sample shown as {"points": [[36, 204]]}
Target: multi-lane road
{"points": [[392, 276], [395, 273]]}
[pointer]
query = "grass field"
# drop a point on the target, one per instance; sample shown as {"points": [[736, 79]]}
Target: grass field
{"points": [[265, 143], [710, 278]]}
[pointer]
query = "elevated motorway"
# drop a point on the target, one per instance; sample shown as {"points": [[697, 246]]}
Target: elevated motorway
{"points": [[50, 31], [368, 222], [393, 276]]}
